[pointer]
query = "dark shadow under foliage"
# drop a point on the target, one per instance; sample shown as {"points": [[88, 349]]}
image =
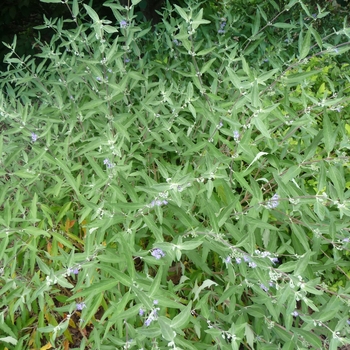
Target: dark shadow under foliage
{"points": [[18, 17]]}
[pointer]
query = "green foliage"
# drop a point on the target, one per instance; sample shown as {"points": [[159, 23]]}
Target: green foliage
{"points": [[184, 186]]}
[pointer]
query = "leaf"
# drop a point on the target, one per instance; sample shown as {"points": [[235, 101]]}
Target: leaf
{"points": [[304, 44], [182, 13], [63, 211], [310, 337], [143, 297], [34, 231], [338, 181], [249, 334], [260, 154], [328, 133], [10, 340], [207, 283], [284, 25], [91, 309], [167, 332], [261, 127], [156, 283], [92, 13], [191, 245], [75, 8], [181, 320], [292, 172], [298, 78], [96, 288], [157, 231], [60, 238], [256, 24], [300, 235]]}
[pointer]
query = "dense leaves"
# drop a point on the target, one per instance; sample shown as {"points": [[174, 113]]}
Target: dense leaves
{"points": [[180, 186]]}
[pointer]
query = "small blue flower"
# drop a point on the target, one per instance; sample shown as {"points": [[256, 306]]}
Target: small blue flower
{"points": [[80, 306], [295, 313], [34, 136], [155, 301], [252, 264], [274, 260], [238, 260], [126, 60], [141, 312], [158, 253], [348, 322], [148, 321], [273, 202], [108, 163], [123, 24], [246, 258], [227, 260], [263, 287], [222, 26], [236, 135]]}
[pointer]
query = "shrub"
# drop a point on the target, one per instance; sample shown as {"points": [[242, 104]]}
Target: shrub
{"points": [[184, 186]]}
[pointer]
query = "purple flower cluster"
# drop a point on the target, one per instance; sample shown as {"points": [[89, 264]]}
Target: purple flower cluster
{"points": [[158, 253], [222, 27], [74, 270], [157, 203], [236, 135], [80, 306], [34, 137], [123, 24], [263, 287], [246, 259], [266, 254], [108, 163], [273, 202], [153, 314]]}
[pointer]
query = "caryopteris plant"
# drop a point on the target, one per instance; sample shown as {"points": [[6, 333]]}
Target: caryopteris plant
{"points": [[177, 186]]}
